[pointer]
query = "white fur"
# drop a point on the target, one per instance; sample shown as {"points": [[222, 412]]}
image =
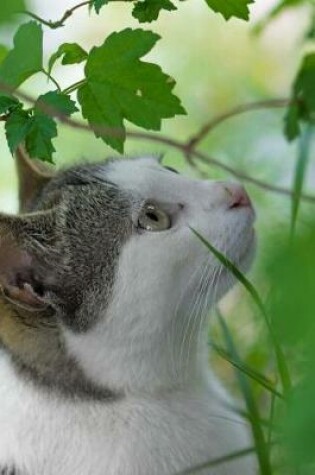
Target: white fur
{"points": [[147, 344]]}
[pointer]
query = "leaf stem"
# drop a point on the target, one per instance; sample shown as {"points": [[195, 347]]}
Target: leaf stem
{"points": [[58, 23], [74, 86], [51, 78]]}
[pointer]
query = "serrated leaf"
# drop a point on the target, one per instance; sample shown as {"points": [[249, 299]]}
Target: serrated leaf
{"points": [[26, 57], [57, 102], [98, 4], [8, 103], [119, 86], [103, 113], [71, 53], [302, 107], [149, 10], [9, 9], [231, 8], [36, 131], [39, 137], [17, 127]]}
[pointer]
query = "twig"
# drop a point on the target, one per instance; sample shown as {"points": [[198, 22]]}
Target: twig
{"points": [[182, 146], [58, 23], [241, 109]]}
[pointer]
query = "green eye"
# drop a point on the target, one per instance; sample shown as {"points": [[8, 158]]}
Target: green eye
{"points": [[152, 218]]}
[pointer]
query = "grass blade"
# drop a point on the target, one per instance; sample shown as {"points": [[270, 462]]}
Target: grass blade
{"points": [[281, 361], [218, 461], [300, 170], [262, 449], [249, 372]]}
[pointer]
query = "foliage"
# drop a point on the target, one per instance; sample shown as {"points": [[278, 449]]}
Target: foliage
{"points": [[118, 85], [9, 10], [230, 8], [302, 106]]}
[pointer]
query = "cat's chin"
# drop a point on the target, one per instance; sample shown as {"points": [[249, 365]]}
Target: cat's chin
{"points": [[246, 257], [226, 279]]}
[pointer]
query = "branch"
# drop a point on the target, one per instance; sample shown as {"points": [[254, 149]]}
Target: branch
{"points": [[58, 23], [241, 109], [182, 146]]}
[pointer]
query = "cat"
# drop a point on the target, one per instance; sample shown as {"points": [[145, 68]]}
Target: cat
{"points": [[105, 291]]}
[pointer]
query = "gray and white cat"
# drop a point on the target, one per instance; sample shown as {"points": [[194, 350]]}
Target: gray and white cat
{"points": [[105, 289]]}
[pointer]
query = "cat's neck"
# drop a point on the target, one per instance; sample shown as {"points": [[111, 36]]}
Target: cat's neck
{"points": [[105, 363], [36, 347], [139, 359]]}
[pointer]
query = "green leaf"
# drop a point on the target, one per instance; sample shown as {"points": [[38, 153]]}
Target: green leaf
{"points": [[37, 131], [7, 104], [231, 8], [291, 122], [17, 127], [119, 86], [9, 8], [26, 57], [39, 137], [290, 270], [98, 4], [3, 52], [149, 10], [71, 53], [303, 98], [57, 103]]}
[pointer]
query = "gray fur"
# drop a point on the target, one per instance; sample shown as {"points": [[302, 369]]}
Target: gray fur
{"points": [[75, 249]]}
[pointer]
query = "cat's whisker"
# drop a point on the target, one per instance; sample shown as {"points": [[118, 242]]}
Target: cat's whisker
{"points": [[199, 309], [191, 312]]}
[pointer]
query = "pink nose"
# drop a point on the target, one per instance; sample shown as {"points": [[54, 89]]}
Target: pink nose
{"points": [[237, 196]]}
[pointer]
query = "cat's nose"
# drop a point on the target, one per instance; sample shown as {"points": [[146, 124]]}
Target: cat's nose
{"points": [[237, 196]]}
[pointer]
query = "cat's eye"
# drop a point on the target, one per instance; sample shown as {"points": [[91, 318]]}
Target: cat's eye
{"points": [[153, 218]]}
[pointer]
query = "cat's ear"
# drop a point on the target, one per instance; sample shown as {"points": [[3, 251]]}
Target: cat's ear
{"points": [[33, 175], [24, 258]]}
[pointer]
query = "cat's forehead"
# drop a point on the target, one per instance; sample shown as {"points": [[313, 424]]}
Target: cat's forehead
{"points": [[148, 178], [137, 179]]}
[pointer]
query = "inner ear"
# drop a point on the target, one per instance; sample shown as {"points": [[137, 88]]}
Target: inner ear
{"points": [[33, 175], [26, 256], [19, 282]]}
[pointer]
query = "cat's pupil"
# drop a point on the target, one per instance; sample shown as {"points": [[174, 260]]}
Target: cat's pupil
{"points": [[152, 216]]}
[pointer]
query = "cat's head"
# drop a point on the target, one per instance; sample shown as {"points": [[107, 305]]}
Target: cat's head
{"points": [[108, 250]]}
